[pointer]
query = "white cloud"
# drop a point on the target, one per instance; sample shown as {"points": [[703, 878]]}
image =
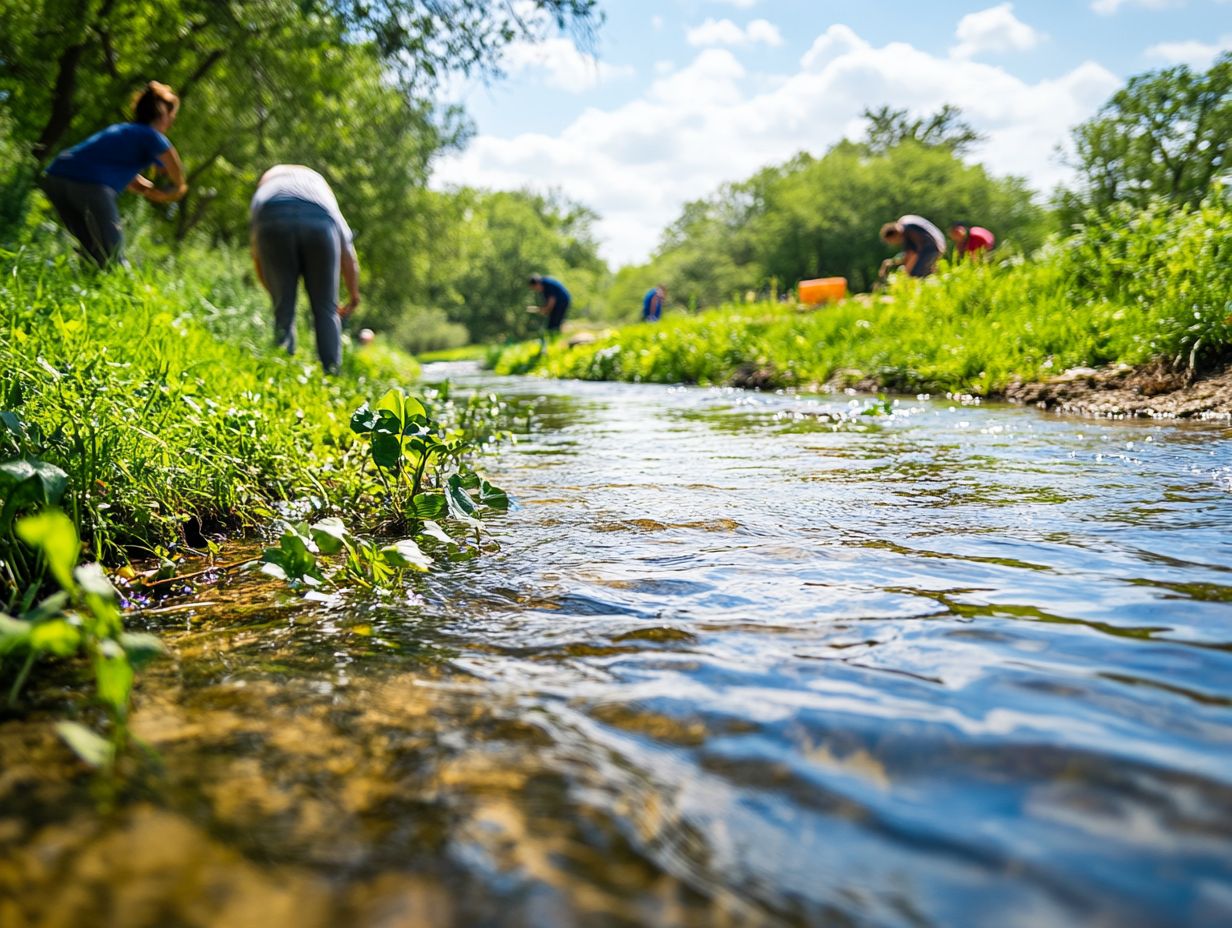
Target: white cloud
{"points": [[559, 63], [996, 29], [742, 4], [1108, 7], [713, 121], [656, 23], [726, 32], [1198, 55]]}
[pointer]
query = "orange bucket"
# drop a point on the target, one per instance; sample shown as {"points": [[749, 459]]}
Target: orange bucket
{"points": [[822, 290]]}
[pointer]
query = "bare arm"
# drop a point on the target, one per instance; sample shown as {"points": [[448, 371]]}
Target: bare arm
{"points": [[909, 260], [174, 169], [349, 265], [256, 258]]}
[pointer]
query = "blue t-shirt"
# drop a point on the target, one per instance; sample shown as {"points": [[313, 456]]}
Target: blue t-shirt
{"points": [[553, 287], [652, 305], [112, 157]]}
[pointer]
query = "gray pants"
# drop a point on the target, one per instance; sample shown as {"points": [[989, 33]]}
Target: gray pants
{"points": [[89, 212], [299, 239]]}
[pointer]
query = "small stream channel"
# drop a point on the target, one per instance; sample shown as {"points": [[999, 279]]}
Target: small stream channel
{"points": [[742, 659]]}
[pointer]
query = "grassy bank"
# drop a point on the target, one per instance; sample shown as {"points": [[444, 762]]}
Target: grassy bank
{"points": [[1132, 288], [160, 396], [143, 413]]}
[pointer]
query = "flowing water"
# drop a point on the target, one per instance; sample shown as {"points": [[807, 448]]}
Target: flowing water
{"points": [[742, 659]]}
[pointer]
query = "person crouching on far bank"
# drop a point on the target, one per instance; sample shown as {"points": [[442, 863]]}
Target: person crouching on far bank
{"points": [[299, 232]]}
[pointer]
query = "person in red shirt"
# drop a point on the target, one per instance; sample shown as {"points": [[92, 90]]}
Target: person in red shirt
{"points": [[971, 241]]}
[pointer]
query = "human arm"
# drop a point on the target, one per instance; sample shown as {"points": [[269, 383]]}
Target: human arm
{"points": [[174, 169], [349, 265], [256, 258]]}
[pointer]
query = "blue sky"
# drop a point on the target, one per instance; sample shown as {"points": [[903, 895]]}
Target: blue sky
{"points": [[678, 96]]}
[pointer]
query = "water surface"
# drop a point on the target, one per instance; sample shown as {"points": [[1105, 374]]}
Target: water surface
{"points": [[742, 659]]}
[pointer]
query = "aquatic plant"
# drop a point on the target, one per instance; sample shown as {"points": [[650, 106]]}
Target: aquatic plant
{"points": [[82, 618]]}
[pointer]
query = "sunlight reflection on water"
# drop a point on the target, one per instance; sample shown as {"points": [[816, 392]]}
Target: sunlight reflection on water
{"points": [[742, 659]]}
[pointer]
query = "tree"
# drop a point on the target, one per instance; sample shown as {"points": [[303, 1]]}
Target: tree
{"points": [[819, 217], [888, 128], [491, 242], [1165, 134], [71, 63]]}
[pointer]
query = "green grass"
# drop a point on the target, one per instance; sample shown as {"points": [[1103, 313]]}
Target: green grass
{"points": [[159, 394], [1132, 288], [464, 353]]}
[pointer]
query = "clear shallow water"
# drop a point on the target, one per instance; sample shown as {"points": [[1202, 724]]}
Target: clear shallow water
{"points": [[741, 659]]}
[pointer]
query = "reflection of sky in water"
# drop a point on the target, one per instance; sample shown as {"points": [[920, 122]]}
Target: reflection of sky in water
{"points": [[756, 658]]}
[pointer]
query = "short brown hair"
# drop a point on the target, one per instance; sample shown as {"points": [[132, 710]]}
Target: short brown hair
{"points": [[150, 102], [890, 230]]}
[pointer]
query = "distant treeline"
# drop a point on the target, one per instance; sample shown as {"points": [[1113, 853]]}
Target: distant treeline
{"points": [[350, 89]]}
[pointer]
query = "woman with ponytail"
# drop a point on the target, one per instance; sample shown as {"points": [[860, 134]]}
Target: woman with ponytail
{"points": [[83, 182]]}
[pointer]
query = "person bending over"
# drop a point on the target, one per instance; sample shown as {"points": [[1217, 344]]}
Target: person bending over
{"points": [[652, 304], [555, 301], [83, 182], [921, 242], [971, 241], [298, 232]]}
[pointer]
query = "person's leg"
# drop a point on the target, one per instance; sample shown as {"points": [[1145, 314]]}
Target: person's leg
{"points": [[925, 263], [278, 249], [69, 205], [103, 221], [320, 253], [557, 318]]}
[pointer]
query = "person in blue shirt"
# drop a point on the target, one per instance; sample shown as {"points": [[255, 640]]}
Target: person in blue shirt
{"points": [[83, 182], [652, 304], [555, 300]]}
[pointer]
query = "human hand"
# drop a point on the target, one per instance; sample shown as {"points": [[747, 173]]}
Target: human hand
{"points": [[345, 309]]}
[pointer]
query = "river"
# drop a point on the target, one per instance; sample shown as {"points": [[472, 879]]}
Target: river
{"points": [[741, 659]]}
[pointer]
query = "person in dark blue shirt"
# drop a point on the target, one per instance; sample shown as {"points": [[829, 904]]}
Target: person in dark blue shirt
{"points": [[555, 300], [83, 182], [652, 304]]}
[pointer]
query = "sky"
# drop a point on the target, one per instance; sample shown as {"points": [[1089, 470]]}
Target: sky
{"points": [[677, 97]]}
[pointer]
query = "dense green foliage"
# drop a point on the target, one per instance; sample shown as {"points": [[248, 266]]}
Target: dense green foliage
{"points": [[343, 87], [141, 413], [820, 217], [488, 245], [1129, 287], [1167, 134], [166, 429]]}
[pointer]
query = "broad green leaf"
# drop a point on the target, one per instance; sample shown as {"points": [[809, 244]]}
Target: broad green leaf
{"points": [[49, 482], [386, 450], [330, 535], [52, 533], [272, 569], [388, 423], [91, 747], [94, 581], [13, 424], [393, 402], [468, 480], [433, 530], [14, 634], [363, 420], [493, 497], [461, 506], [429, 506], [56, 637], [114, 676], [407, 554]]}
